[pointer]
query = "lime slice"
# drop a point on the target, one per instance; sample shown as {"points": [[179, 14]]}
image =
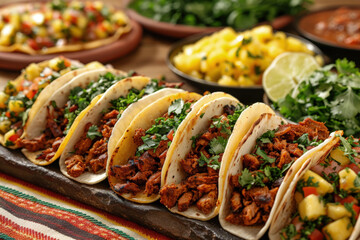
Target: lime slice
{"points": [[285, 72]]}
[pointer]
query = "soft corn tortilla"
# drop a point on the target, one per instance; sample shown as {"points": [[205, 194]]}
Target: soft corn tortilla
{"points": [[17, 47], [287, 207], [173, 173], [36, 127], [47, 91], [94, 116], [145, 119], [265, 123]]}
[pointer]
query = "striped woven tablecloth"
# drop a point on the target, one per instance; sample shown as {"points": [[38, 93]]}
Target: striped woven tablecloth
{"points": [[31, 212]]}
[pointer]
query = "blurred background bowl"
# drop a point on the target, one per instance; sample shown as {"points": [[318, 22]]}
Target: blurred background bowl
{"points": [[305, 24]]}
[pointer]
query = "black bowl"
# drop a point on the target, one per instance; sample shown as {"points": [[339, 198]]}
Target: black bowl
{"points": [[332, 49], [246, 95]]}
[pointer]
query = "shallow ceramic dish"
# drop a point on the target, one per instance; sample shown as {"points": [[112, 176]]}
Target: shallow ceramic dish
{"points": [[333, 49], [181, 31], [247, 95]]}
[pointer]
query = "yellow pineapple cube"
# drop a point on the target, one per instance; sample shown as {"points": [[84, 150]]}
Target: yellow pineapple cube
{"points": [[349, 181], [336, 211], [323, 185], [340, 229], [311, 207], [338, 155], [32, 71]]}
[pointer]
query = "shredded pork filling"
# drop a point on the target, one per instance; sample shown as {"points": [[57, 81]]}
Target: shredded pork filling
{"points": [[251, 201], [52, 137], [91, 153], [200, 188]]}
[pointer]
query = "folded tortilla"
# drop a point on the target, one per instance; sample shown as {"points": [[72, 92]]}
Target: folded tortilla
{"points": [[126, 148], [287, 207], [38, 124], [94, 115], [265, 123], [173, 172]]}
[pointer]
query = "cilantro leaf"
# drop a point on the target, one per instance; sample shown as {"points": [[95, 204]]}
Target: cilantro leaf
{"points": [[211, 162], [265, 157], [267, 137], [93, 132], [176, 106], [217, 145]]}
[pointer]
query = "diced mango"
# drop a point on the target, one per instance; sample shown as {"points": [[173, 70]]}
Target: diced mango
{"points": [[16, 106], [336, 211], [338, 155], [323, 185], [3, 98], [32, 71], [349, 181], [340, 229], [5, 126], [311, 208]]}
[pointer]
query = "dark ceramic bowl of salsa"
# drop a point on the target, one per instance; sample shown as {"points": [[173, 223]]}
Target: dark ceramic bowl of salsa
{"points": [[335, 30]]}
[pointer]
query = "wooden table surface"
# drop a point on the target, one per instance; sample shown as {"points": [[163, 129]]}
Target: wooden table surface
{"points": [[150, 56]]}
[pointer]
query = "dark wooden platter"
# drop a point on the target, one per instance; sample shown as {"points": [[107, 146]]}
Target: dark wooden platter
{"points": [[154, 216], [124, 45]]}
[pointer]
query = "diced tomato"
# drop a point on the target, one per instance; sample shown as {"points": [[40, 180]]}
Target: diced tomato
{"points": [[73, 19], [31, 93], [67, 62], [6, 18], [13, 137], [316, 235], [33, 44], [354, 167], [26, 28], [309, 190], [170, 135], [348, 199], [297, 223], [8, 115], [44, 42], [356, 210]]}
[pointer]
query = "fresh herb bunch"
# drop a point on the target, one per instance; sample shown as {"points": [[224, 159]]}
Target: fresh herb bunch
{"points": [[239, 14], [327, 96]]}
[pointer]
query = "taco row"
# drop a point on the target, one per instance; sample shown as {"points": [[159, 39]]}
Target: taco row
{"points": [[201, 156]]}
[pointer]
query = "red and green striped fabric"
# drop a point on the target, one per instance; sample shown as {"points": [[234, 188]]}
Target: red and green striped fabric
{"points": [[31, 212]]}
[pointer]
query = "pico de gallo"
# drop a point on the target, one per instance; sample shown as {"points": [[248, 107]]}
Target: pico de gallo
{"points": [[327, 196], [19, 95], [37, 27]]}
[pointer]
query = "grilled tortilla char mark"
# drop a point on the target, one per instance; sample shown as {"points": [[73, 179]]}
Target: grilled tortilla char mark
{"points": [[91, 151], [144, 169], [200, 186], [264, 168]]}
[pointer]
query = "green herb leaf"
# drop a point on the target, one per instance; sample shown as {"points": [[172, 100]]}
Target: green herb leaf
{"points": [[217, 145], [93, 132]]}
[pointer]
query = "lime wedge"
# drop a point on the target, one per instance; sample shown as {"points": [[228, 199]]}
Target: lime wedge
{"points": [[285, 72]]}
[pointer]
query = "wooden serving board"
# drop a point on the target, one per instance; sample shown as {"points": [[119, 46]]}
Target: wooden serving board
{"points": [[154, 216], [124, 45]]}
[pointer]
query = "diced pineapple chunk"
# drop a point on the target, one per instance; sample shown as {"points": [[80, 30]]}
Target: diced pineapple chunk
{"points": [[349, 181], [54, 63], [3, 98], [338, 155], [94, 65], [263, 33], [5, 126], [340, 229], [311, 207], [323, 185], [32, 71], [16, 106], [336, 211]]}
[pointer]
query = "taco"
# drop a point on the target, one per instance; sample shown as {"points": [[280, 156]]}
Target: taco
{"points": [[261, 170], [323, 200], [85, 155], [47, 134], [23, 97], [134, 170], [59, 26], [191, 183]]}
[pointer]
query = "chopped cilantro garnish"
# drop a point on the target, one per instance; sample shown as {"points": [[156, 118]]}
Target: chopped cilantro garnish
{"points": [[265, 157], [217, 145], [211, 162], [248, 179], [93, 132]]}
